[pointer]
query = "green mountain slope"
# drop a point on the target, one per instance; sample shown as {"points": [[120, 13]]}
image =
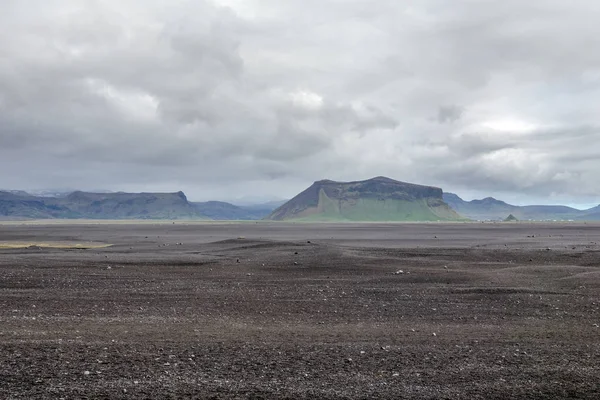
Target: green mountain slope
{"points": [[377, 199]]}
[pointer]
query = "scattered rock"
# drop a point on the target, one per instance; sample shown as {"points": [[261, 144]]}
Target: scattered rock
{"points": [[399, 272], [86, 373], [433, 334]]}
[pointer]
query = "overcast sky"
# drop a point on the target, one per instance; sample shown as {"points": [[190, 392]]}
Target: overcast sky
{"points": [[226, 99]]}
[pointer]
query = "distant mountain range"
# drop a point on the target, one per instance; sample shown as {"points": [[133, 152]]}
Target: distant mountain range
{"points": [[219, 210], [82, 205], [497, 210], [377, 199]]}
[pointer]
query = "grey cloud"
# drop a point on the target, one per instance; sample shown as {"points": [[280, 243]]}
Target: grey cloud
{"points": [[213, 96], [449, 113]]}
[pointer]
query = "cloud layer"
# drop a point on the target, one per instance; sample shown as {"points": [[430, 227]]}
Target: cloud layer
{"points": [[232, 98]]}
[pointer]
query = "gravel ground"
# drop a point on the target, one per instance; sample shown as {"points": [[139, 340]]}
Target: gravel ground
{"points": [[398, 311]]}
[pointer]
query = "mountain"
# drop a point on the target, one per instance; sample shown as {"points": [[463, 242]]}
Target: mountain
{"points": [[131, 205], [485, 209], [99, 206], [497, 210], [16, 204], [219, 210], [15, 192], [377, 199]]}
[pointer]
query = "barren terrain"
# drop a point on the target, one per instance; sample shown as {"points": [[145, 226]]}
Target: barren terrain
{"points": [[274, 310]]}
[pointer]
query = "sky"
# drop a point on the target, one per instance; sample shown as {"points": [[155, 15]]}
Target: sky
{"points": [[257, 99]]}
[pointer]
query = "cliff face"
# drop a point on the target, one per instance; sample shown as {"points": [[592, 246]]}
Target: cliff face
{"points": [[377, 199], [99, 206]]}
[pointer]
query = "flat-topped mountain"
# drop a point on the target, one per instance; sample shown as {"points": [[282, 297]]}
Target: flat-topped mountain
{"points": [[376, 199], [99, 206], [84, 205]]}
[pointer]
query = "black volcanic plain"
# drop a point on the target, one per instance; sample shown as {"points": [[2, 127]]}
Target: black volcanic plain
{"points": [[276, 310]]}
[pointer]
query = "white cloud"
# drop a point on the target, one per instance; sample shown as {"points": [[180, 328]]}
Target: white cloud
{"points": [[212, 97]]}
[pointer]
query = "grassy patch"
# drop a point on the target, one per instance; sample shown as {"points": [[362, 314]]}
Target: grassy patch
{"points": [[52, 245], [375, 210]]}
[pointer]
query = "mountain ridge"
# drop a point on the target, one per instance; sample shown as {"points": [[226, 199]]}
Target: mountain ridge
{"points": [[122, 205], [376, 199], [490, 208], [79, 204]]}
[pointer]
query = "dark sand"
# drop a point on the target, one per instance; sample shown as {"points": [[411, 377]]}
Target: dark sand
{"points": [[481, 311]]}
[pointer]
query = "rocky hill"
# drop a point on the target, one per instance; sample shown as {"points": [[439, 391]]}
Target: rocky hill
{"points": [[377, 199]]}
